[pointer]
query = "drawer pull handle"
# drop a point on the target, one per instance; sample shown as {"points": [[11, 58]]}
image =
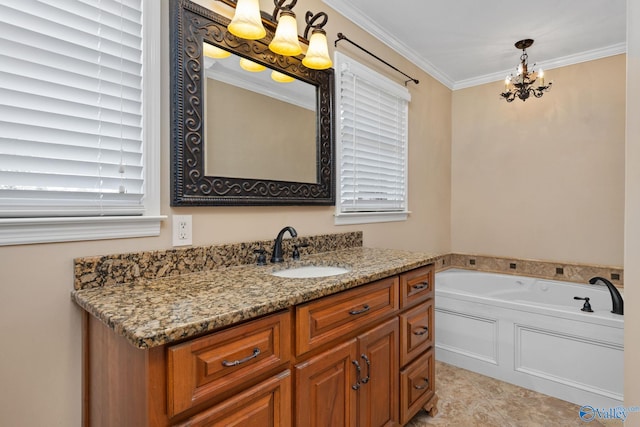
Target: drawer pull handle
{"points": [[422, 387], [356, 386], [422, 331], [365, 308], [421, 285], [366, 359], [227, 364]]}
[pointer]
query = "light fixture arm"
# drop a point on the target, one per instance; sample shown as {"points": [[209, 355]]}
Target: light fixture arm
{"points": [[281, 6], [311, 18]]}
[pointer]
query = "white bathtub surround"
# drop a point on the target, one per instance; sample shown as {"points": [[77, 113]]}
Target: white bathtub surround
{"points": [[532, 333]]}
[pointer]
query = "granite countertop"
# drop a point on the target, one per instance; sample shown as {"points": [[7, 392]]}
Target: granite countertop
{"points": [[153, 312]]}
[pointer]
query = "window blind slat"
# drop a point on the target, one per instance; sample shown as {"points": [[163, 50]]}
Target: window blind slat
{"points": [[71, 108], [69, 79]]}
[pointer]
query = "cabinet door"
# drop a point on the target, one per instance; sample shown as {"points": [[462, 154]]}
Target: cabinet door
{"points": [[326, 388], [267, 404], [378, 358]]}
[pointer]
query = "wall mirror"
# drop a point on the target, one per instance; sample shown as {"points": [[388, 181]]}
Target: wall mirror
{"points": [[241, 137]]}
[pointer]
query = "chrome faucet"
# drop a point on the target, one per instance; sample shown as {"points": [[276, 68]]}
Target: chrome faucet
{"points": [[276, 256], [616, 298]]}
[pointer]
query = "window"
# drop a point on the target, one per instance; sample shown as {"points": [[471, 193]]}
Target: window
{"points": [[79, 103], [372, 144]]}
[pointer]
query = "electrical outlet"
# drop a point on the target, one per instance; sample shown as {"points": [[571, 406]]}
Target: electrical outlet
{"points": [[182, 230]]}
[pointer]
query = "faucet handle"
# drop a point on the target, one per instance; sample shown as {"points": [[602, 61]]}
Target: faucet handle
{"points": [[262, 256], [586, 307], [296, 252]]}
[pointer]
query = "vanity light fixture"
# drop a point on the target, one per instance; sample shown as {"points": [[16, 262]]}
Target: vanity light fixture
{"points": [[317, 56], [285, 41], [215, 52], [247, 24], [281, 77], [522, 85], [251, 66], [247, 21]]}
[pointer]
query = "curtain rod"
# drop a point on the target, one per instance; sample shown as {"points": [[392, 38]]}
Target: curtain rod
{"points": [[343, 37]]}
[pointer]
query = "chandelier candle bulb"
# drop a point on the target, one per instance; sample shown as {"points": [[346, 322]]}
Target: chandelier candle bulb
{"points": [[541, 75]]}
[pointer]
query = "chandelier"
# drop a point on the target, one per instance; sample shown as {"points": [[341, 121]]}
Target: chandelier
{"points": [[522, 85]]}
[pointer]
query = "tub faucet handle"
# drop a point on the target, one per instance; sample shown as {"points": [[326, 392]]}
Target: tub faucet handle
{"points": [[586, 307]]}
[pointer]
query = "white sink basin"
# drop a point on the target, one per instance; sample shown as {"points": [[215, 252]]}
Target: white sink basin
{"points": [[309, 271]]}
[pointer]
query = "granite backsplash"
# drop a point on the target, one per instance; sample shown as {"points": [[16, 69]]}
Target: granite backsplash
{"points": [[109, 270]]}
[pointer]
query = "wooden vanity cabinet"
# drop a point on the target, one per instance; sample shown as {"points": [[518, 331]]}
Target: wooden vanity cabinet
{"points": [[361, 357]]}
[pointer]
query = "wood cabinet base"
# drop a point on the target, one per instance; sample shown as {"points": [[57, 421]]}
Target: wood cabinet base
{"points": [[361, 357]]}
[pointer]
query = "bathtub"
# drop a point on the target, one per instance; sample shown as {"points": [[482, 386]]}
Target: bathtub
{"points": [[532, 333]]}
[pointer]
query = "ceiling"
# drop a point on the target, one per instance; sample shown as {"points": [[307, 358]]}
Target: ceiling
{"points": [[464, 43]]}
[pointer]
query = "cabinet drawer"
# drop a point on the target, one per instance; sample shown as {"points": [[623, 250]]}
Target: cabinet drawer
{"points": [[416, 385], [215, 364], [267, 404], [416, 285], [416, 331], [323, 320]]}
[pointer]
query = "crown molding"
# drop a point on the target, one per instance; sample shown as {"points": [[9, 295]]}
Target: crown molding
{"points": [[356, 16], [563, 61]]}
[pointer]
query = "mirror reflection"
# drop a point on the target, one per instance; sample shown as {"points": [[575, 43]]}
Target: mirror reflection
{"points": [[265, 129]]}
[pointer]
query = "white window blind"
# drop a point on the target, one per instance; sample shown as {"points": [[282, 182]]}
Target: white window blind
{"points": [[372, 141], [71, 108]]}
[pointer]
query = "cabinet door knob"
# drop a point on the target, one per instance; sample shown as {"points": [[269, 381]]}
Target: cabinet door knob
{"points": [[227, 364], [364, 309]]}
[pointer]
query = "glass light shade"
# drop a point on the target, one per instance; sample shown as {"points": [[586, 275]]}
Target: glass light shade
{"points": [[251, 66], [317, 56], [281, 77], [214, 51], [285, 41], [247, 22]]}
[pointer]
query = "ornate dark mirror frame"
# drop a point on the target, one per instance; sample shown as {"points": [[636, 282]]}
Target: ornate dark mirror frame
{"points": [[192, 24]]}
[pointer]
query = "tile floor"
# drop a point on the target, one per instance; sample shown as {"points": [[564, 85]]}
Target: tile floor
{"points": [[468, 399]]}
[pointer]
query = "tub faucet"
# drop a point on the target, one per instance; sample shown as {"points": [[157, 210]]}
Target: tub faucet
{"points": [[276, 256], [616, 298]]}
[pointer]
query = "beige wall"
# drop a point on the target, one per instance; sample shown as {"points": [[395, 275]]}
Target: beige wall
{"points": [[632, 217], [40, 369], [542, 179]]}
